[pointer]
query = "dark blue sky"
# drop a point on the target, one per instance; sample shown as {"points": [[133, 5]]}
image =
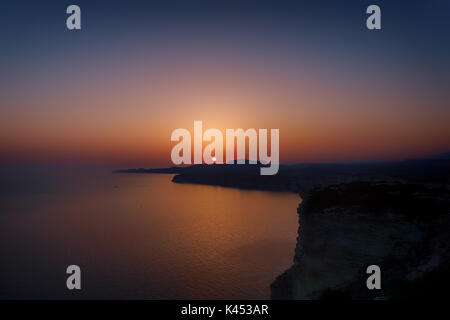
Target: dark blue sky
{"points": [[420, 29]]}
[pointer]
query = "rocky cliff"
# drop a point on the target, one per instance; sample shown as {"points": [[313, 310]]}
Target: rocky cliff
{"points": [[345, 228]]}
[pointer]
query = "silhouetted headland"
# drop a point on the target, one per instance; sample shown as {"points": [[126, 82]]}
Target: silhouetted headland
{"points": [[300, 178]]}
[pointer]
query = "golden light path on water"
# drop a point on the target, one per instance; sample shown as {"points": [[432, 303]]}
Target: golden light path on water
{"points": [[142, 236]]}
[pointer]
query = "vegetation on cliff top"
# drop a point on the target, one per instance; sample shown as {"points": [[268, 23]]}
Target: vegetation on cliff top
{"points": [[412, 200]]}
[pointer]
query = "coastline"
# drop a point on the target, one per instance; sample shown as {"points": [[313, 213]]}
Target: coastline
{"points": [[350, 217]]}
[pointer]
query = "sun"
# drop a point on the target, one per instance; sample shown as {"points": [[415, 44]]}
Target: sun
{"points": [[214, 159]]}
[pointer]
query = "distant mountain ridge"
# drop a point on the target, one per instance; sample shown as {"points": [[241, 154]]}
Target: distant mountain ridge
{"points": [[441, 156]]}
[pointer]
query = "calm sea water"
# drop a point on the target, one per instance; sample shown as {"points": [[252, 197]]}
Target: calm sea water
{"points": [[141, 236]]}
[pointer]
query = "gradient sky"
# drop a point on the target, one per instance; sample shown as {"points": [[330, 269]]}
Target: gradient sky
{"points": [[113, 92]]}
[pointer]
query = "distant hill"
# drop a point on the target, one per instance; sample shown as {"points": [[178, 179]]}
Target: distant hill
{"points": [[441, 156]]}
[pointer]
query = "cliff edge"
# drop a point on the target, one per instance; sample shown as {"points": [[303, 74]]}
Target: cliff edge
{"points": [[344, 228]]}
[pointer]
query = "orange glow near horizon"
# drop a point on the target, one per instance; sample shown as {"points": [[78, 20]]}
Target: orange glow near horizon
{"points": [[128, 119]]}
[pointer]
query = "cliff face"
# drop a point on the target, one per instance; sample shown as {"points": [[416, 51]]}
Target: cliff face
{"points": [[345, 228]]}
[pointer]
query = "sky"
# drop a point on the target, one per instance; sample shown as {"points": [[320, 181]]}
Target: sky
{"points": [[112, 92]]}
